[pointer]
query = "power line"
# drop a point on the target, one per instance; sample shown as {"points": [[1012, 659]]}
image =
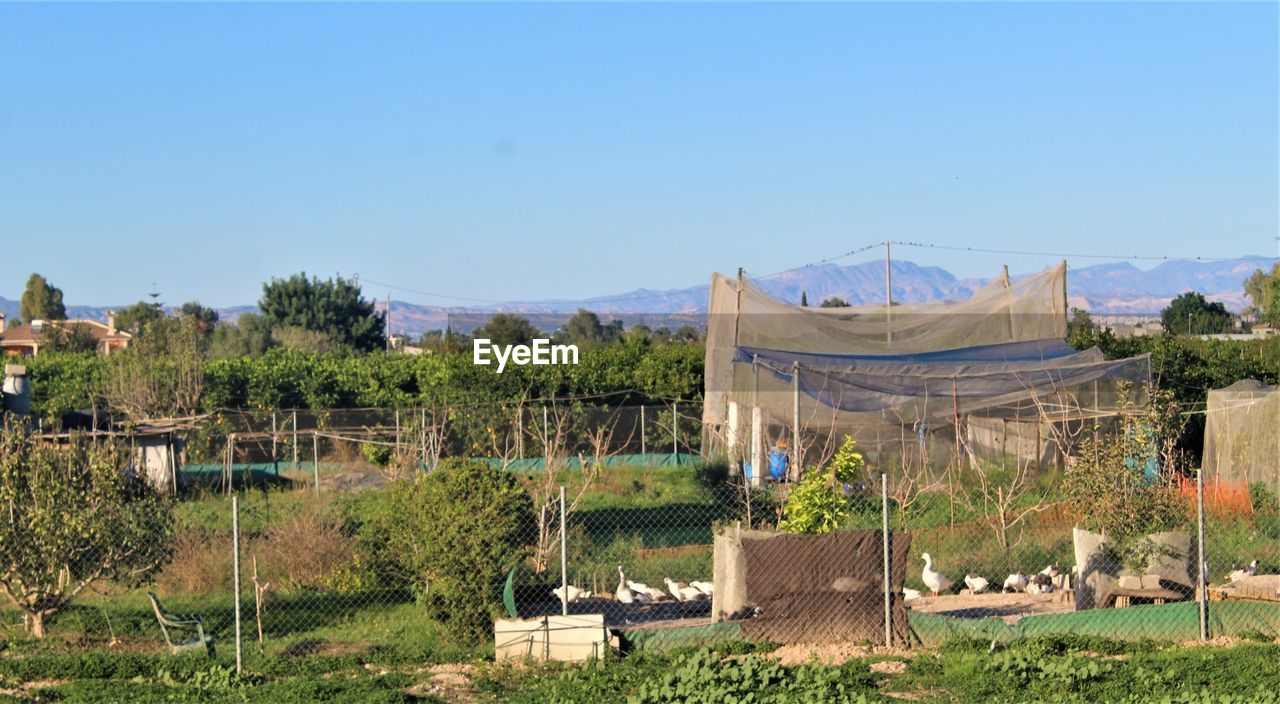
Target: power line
{"points": [[918, 245], [1069, 255]]}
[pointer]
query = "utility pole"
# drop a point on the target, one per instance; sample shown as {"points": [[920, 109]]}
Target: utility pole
{"points": [[388, 322], [888, 296]]}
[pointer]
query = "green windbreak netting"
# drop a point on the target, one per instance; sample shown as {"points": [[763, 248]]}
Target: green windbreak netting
{"points": [[1164, 622]]}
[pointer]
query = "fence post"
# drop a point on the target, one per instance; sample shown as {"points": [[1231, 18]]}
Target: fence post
{"points": [[295, 440], [564, 558], [273, 438], [884, 532], [1202, 591], [315, 460], [397, 431], [794, 469], [642, 447], [235, 565], [675, 433]]}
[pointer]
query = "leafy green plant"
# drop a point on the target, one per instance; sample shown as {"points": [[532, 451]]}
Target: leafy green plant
{"points": [[73, 517], [819, 504], [452, 533]]}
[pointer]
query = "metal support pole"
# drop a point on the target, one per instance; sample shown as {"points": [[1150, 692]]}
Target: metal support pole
{"points": [[1202, 592], [794, 469], [884, 532], [315, 460], [295, 441], [397, 431], [675, 433], [888, 296], [564, 558], [235, 565], [642, 447]]}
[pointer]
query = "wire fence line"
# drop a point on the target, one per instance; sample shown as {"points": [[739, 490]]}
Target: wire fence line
{"points": [[671, 550]]}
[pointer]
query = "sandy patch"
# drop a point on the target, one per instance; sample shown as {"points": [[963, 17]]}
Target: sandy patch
{"points": [[831, 653], [1009, 607]]}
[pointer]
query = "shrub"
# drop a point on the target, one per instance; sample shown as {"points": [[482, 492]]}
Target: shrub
{"points": [[305, 551], [199, 563], [452, 534], [74, 515], [818, 504]]}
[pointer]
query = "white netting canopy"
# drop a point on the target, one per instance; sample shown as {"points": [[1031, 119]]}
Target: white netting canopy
{"points": [[990, 378], [1242, 434]]}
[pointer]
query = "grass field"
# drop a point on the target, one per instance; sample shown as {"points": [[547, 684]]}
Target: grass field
{"points": [[1036, 670], [335, 631]]}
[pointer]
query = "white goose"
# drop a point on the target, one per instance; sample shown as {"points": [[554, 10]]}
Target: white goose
{"points": [[704, 587], [1016, 582], [909, 594], [574, 593], [1237, 575], [674, 587], [977, 584], [935, 581], [1040, 583], [623, 592]]}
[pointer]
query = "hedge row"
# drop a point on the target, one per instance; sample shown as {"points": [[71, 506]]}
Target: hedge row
{"points": [[284, 379]]}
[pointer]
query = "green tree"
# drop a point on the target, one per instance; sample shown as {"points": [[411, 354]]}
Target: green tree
{"points": [[451, 534], [1191, 314], [42, 301], [159, 375], [507, 329], [60, 337], [334, 307], [205, 318], [247, 336], [297, 339], [1263, 290], [818, 504], [584, 329], [686, 333], [135, 318], [74, 516], [638, 333], [1121, 483], [1080, 327], [834, 302]]}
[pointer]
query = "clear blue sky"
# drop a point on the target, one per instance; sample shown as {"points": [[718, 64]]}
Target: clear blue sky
{"points": [[531, 151]]}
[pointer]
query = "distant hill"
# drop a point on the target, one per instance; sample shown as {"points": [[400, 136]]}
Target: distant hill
{"points": [[1101, 289]]}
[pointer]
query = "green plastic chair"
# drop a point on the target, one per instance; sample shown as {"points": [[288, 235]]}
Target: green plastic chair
{"points": [[190, 624]]}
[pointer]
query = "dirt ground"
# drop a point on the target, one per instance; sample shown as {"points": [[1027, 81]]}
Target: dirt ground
{"points": [[1009, 607], [833, 653]]}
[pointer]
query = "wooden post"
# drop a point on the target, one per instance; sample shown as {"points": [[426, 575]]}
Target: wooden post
{"points": [[888, 584], [235, 566], [564, 557], [315, 459], [295, 440], [642, 448], [794, 469], [1202, 592]]}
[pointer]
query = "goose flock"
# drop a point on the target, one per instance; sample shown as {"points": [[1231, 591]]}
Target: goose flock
{"points": [[1046, 581], [631, 592]]}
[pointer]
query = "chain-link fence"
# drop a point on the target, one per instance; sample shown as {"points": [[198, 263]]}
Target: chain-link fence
{"points": [[985, 546]]}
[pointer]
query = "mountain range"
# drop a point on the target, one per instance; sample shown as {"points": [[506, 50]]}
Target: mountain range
{"points": [[1102, 289]]}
